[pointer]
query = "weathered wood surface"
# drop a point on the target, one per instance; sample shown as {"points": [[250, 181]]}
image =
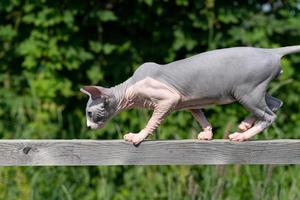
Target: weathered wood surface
{"points": [[162, 152]]}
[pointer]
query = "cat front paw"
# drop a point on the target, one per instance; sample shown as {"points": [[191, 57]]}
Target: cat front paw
{"points": [[135, 138], [128, 137]]}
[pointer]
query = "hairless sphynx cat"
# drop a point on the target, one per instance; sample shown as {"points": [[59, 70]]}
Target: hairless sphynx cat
{"points": [[239, 74]]}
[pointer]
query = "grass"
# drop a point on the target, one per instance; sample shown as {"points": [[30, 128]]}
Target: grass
{"points": [[151, 182]]}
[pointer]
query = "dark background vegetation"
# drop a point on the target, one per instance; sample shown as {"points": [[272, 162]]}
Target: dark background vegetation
{"points": [[50, 48]]}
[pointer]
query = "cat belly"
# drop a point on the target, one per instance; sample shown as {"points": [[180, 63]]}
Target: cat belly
{"points": [[198, 103]]}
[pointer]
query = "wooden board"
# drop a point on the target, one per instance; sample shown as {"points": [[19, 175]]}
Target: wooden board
{"points": [[160, 152]]}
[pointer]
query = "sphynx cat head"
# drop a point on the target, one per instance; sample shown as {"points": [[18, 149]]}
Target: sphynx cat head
{"points": [[100, 107]]}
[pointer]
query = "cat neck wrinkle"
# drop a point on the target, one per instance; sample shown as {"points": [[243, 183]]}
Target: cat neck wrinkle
{"points": [[119, 91]]}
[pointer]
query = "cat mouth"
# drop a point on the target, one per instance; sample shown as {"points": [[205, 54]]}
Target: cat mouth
{"points": [[97, 126], [92, 125]]}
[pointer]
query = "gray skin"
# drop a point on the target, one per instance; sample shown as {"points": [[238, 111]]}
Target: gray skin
{"points": [[239, 74]]}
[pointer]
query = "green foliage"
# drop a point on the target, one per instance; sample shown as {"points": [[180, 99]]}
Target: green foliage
{"points": [[49, 49]]}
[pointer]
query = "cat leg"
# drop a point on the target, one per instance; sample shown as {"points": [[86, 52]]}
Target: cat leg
{"points": [[157, 117], [273, 104], [247, 123], [206, 133], [257, 105], [163, 99]]}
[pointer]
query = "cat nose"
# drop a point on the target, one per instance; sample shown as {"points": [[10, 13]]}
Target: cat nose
{"points": [[89, 124]]}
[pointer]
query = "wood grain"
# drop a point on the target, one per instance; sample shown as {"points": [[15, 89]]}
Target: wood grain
{"points": [[161, 152]]}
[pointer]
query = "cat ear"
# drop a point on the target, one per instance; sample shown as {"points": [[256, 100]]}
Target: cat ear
{"points": [[93, 91]]}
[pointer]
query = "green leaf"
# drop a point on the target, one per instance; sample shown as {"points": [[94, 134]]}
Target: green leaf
{"points": [[7, 32], [105, 15]]}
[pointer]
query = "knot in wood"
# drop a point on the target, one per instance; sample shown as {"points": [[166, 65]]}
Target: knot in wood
{"points": [[26, 150]]}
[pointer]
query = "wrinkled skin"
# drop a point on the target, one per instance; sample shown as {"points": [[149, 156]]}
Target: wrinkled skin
{"points": [[224, 76]]}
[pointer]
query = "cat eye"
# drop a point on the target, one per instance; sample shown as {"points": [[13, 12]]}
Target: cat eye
{"points": [[89, 114]]}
